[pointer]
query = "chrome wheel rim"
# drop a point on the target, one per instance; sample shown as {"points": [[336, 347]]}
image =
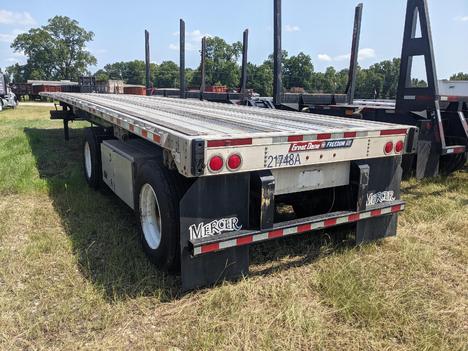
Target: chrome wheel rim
{"points": [[150, 216], [87, 157]]}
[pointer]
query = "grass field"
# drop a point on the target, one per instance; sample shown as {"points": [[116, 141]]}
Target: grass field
{"points": [[72, 274]]}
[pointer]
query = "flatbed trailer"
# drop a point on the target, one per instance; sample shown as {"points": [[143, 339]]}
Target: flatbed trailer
{"points": [[206, 179]]}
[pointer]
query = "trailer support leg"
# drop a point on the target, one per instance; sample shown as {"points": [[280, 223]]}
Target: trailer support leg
{"points": [[206, 207], [66, 130]]}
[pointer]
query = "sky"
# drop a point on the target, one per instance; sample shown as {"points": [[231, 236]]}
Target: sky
{"points": [[321, 29]]}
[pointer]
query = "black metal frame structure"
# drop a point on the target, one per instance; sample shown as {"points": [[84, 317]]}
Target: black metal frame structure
{"points": [[351, 86], [442, 120], [252, 201], [443, 138]]}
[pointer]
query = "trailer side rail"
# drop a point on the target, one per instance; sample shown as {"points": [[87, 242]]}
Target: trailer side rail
{"points": [[265, 139]]}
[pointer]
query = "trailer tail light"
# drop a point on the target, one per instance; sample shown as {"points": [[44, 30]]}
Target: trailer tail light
{"points": [[388, 147], [216, 163], [234, 162], [399, 146]]}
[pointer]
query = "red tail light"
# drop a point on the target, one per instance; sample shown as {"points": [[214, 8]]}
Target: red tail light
{"points": [[399, 146], [388, 147], [216, 163], [234, 162]]}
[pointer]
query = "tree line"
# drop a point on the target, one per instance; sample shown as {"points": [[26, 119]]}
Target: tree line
{"points": [[57, 51]]}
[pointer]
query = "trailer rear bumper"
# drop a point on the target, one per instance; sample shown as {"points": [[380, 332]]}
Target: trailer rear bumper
{"points": [[302, 226]]}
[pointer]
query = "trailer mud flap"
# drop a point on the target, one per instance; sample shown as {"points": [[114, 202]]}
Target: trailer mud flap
{"points": [[213, 204], [429, 151], [384, 185]]}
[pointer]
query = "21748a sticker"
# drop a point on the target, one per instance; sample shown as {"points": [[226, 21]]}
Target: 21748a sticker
{"points": [[276, 161]]}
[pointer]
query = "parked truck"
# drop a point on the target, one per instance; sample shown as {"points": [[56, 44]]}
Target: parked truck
{"points": [[206, 179], [7, 97]]}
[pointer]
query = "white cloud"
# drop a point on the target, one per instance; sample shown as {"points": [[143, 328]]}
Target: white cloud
{"points": [[289, 28], [16, 57], [16, 18], [9, 37], [342, 57], [192, 40], [364, 54], [461, 18], [99, 51], [19, 54], [6, 38], [324, 57], [196, 35]]}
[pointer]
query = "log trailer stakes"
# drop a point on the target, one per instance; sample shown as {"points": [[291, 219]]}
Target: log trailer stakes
{"points": [[205, 179], [441, 118]]}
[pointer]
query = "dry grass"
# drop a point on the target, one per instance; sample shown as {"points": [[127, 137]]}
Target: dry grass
{"points": [[73, 276]]}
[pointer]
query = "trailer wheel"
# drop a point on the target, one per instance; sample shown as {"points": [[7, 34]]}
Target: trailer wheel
{"points": [[92, 158], [157, 204]]}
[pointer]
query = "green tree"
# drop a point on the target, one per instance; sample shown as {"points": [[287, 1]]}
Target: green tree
{"points": [[55, 51], [369, 84], [328, 81], [167, 75], [192, 76], [101, 75], [389, 70], [459, 76], [221, 62], [135, 72], [16, 73], [260, 78], [131, 72], [298, 71]]}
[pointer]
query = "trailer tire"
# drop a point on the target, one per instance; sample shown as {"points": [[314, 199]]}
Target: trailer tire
{"points": [[92, 165], [157, 211]]}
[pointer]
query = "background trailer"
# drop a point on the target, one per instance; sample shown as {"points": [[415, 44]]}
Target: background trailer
{"points": [[440, 117]]}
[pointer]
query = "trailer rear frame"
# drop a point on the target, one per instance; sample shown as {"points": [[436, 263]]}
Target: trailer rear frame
{"points": [[143, 141]]}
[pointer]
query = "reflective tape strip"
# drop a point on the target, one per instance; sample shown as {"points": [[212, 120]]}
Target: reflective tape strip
{"points": [[456, 150], [304, 137], [133, 128], [308, 227]]}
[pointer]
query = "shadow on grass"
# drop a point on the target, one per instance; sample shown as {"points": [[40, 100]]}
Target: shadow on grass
{"points": [[104, 234], [449, 183]]}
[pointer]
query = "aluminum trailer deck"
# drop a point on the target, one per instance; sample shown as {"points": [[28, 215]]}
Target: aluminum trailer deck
{"points": [[205, 179], [175, 124]]}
